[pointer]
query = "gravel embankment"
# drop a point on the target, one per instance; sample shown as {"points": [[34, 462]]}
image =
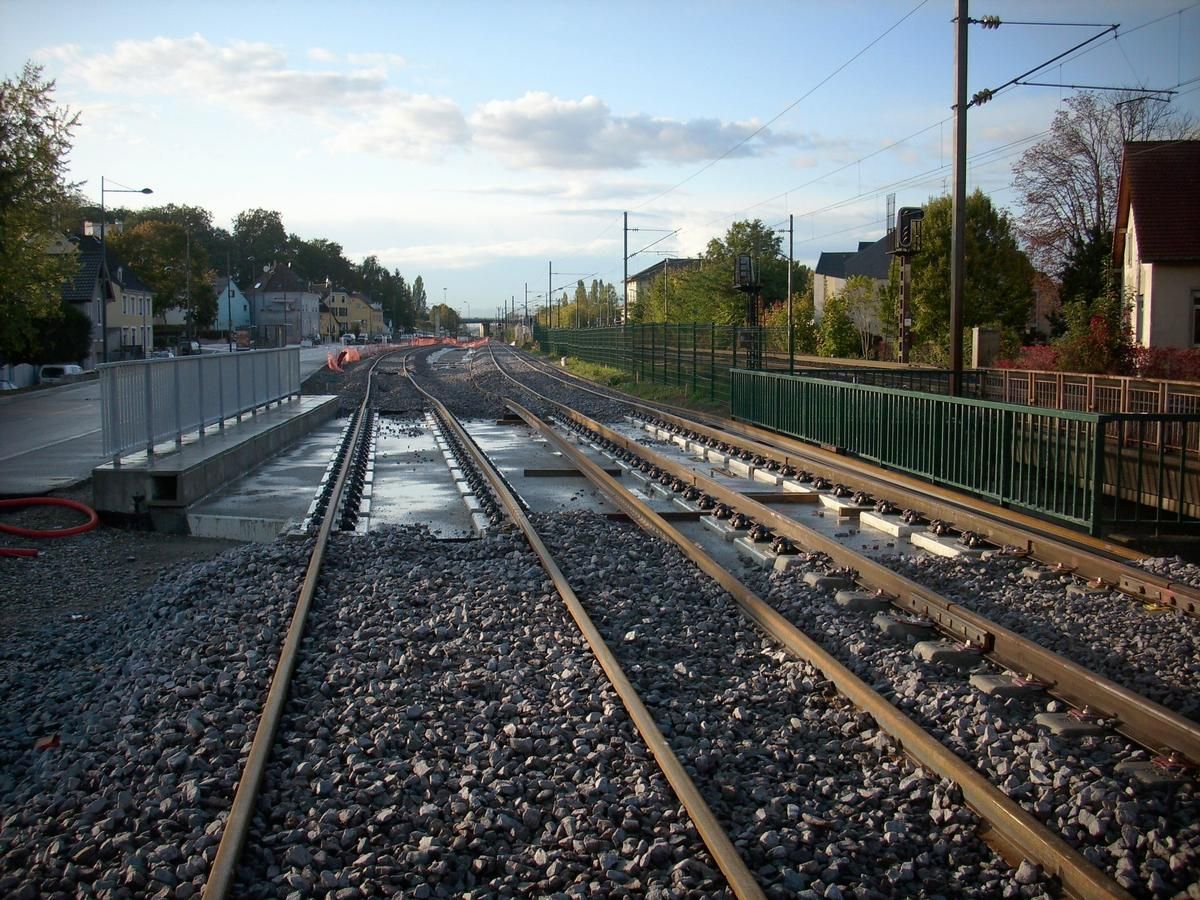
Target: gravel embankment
{"points": [[448, 734], [1147, 839], [818, 799], [122, 733], [1156, 654]]}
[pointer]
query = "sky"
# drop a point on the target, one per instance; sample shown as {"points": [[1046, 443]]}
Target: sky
{"points": [[477, 144]]}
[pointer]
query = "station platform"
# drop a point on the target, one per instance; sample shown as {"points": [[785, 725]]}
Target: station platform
{"points": [[176, 477]]}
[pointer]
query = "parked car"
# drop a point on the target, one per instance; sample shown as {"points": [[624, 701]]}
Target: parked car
{"points": [[7, 386], [162, 354], [188, 348], [58, 372]]}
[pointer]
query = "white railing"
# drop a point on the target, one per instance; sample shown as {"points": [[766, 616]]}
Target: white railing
{"points": [[148, 402]]}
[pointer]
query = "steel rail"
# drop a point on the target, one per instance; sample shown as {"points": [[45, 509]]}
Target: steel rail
{"points": [[1144, 721], [1015, 831], [730, 862], [1090, 558], [237, 824]]}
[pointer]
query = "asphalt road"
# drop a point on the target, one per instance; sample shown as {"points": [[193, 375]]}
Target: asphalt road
{"points": [[51, 438]]}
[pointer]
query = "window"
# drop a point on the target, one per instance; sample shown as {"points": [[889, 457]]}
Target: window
{"points": [[1139, 313]]}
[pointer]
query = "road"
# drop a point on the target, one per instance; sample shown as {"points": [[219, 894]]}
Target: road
{"points": [[51, 438]]}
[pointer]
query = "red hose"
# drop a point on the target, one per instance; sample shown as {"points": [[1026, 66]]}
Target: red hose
{"points": [[92, 522]]}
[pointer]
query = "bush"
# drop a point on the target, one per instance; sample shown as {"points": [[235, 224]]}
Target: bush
{"points": [[1036, 357], [1167, 362]]}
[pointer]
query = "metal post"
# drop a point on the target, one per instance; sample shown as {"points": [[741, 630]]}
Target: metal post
{"points": [[550, 291], [187, 281], [791, 328], [959, 203], [625, 282], [905, 298], [229, 297], [666, 315], [103, 281]]}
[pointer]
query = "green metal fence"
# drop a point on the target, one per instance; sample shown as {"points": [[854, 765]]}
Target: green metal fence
{"points": [[1090, 470], [695, 356]]}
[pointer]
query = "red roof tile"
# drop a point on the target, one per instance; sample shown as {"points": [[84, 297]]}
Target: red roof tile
{"points": [[1161, 181]]}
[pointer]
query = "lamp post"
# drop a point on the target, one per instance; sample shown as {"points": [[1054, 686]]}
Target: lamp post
{"points": [[104, 258]]}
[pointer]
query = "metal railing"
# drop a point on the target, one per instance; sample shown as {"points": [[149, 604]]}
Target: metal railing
{"points": [[1090, 470], [1093, 393], [147, 402]]}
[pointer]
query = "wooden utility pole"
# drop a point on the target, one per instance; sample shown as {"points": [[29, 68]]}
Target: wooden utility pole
{"points": [[959, 203]]}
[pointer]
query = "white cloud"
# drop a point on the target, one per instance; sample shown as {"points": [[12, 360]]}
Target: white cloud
{"points": [[541, 130], [384, 60], [461, 255], [405, 126], [358, 107]]}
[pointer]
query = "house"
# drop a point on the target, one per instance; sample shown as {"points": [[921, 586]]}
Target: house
{"points": [[233, 307], [103, 280], [835, 267], [645, 278], [1156, 242], [284, 308], [87, 289], [349, 312], [131, 313]]}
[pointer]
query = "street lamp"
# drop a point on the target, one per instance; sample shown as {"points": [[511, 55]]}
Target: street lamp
{"points": [[104, 258]]}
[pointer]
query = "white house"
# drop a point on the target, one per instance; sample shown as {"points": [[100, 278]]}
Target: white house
{"points": [[1156, 244], [233, 307], [284, 308]]}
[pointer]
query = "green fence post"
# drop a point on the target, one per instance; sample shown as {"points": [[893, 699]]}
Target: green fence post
{"points": [[712, 361]]}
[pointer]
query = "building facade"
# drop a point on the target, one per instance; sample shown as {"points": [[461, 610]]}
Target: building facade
{"points": [[1156, 242]]}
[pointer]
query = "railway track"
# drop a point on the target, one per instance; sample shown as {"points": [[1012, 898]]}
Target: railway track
{"points": [[1103, 564], [447, 723], [741, 882], [1167, 733]]}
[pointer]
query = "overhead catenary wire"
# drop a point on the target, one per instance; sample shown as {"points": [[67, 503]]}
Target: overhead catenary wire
{"points": [[1083, 48]]}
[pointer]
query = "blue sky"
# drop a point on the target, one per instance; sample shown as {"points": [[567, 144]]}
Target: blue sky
{"points": [[471, 143]]}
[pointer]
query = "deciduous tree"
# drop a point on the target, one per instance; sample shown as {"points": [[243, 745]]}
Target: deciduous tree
{"points": [[159, 254], [1068, 182], [35, 138], [999, 277]]}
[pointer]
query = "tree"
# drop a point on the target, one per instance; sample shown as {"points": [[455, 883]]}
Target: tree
{"points": [[35, 138], [68, 337], [446, 317], [420, 303], [158, 252], [319, 259], [260, 239], [860, 302], [836, 335], [1097, 338], [998, 289], [1068, 182], [1087, 272]]}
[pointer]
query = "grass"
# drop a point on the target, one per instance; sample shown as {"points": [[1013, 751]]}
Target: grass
{"points": [[672, 395]]}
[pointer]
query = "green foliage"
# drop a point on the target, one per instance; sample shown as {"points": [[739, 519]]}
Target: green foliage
{"points": [[446, 318], [261, 240], [998, 280], [859, 299], [1097, 339], [836, 335], [706, 293], [420, 303], [67, 338], [594, 306], [1088, 270], [804, 328], [35, 138], [159, 253]]}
